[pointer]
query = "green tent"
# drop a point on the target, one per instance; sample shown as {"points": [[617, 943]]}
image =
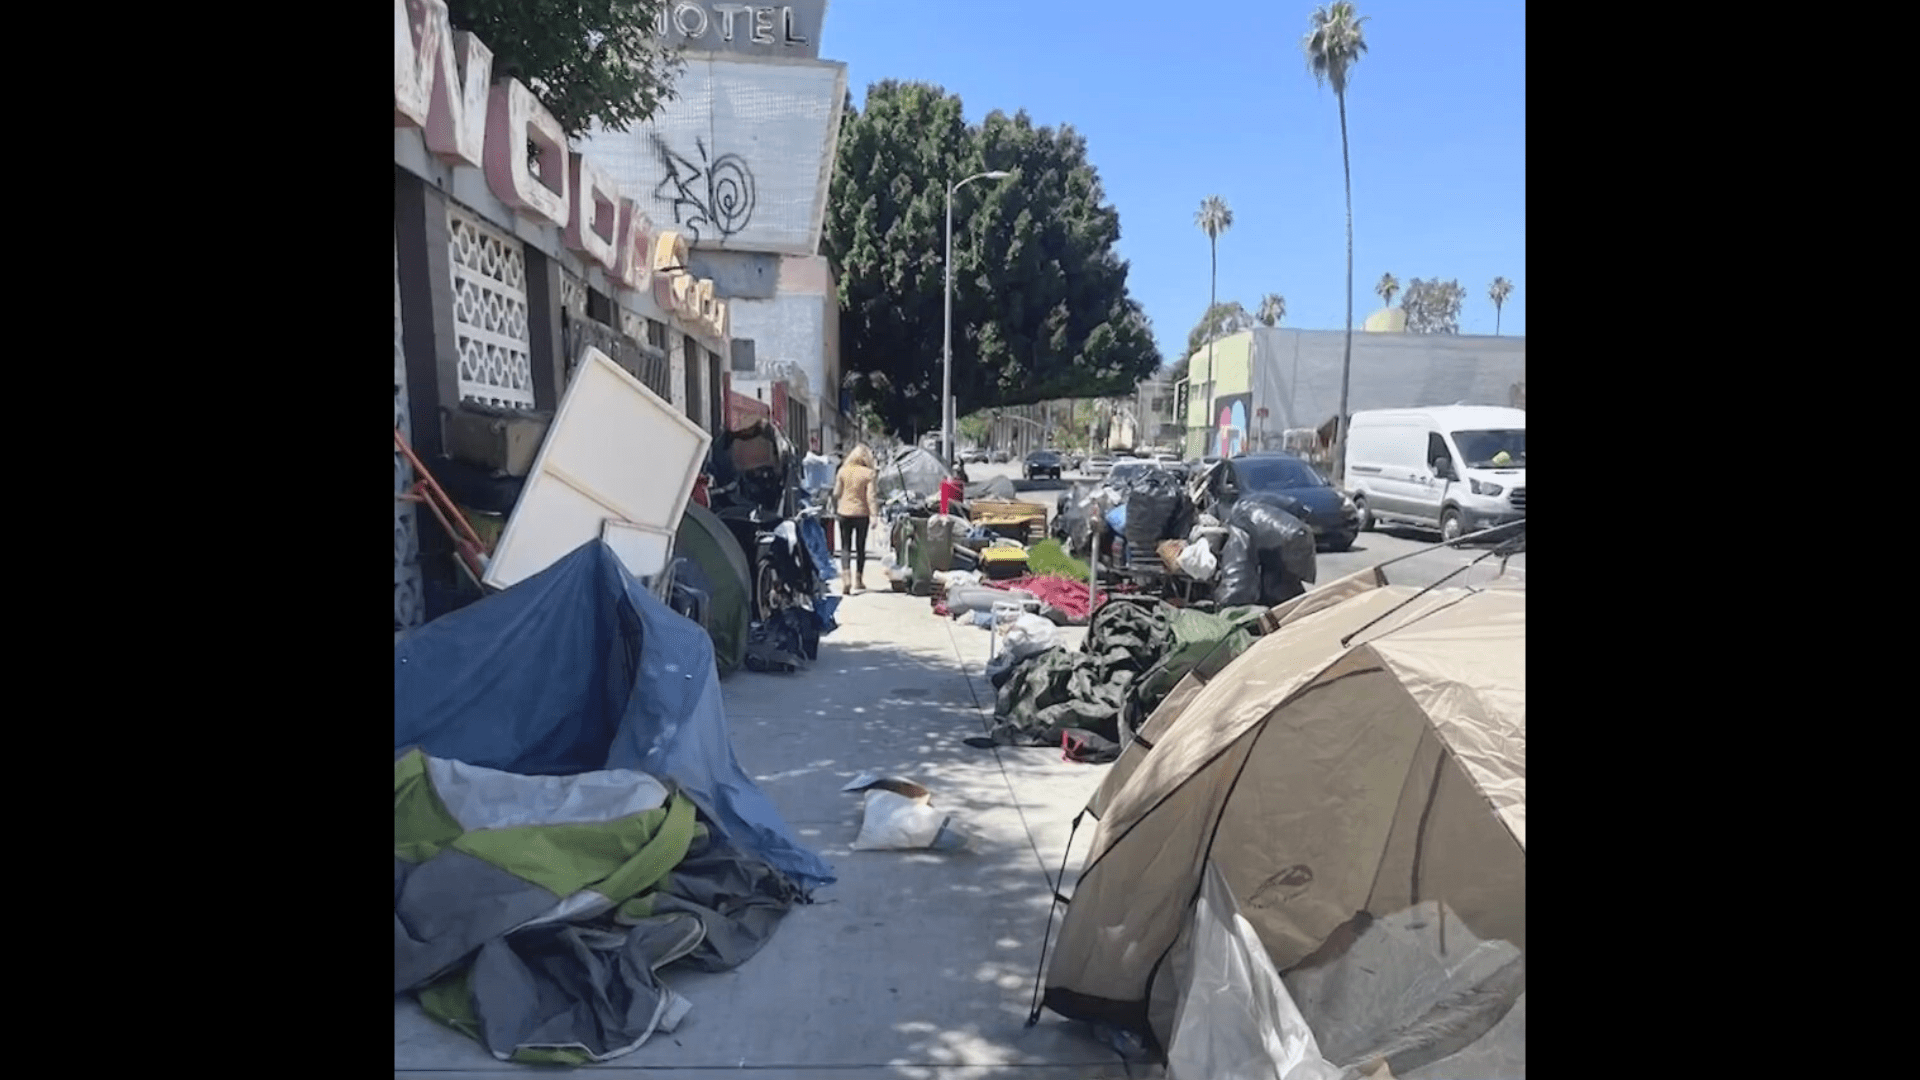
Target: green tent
{"points": [[535, 914], [705, 539]]}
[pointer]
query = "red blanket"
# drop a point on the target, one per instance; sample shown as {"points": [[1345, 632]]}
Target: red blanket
{"points": [[1072, 598]]}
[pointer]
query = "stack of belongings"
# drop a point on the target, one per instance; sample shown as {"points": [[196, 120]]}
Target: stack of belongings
{"points": [[1011, 518], [1157, 509], [1269, 555], [1003, 562], [1089, 703], [944, 532]]}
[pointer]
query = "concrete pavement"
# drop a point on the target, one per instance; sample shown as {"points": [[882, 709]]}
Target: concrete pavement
{"points": [[913, 965]]}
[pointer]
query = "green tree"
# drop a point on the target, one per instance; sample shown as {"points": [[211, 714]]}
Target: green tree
{"points": [[1387, 288], [973, 428], [1214, 217], [1221, 320], [1040, 302], [1433, 307], [589, 61], [1498, 293], [1334, 44], [1273, 308]]}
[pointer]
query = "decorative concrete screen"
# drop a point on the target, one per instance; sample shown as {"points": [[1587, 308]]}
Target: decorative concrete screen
{"points": [[740, 159]]}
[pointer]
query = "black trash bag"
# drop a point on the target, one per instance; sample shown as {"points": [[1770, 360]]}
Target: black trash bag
{"points": [[1281, 539], [1239, 570], [782, 643], [1277, 586], [1185, 517], [1152, 501]]}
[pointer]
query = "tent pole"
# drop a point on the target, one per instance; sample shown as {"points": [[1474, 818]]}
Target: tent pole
{"points": [[1053, 902]]}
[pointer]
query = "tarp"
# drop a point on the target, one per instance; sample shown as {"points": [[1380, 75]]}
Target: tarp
{"points": [[1081, 697], [579, 669], [912, 470], [1366, 756], [532, 913], [993, 487], [727, 580]]}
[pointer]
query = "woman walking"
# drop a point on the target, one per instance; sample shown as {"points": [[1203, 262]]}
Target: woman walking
{"points": [[856, 497]]}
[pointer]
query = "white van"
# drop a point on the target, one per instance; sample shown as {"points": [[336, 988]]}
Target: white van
{"points": [[1457, 468]]}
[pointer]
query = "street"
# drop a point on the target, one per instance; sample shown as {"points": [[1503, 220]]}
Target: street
{"points": [[1423, 568]]}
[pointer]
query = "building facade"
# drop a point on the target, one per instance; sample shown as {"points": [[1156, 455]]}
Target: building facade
{"points": [[507, 266], [1269, 380], [740, 161]]}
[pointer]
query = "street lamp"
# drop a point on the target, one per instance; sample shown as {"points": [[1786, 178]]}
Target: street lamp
{"points": [[946, 346]]}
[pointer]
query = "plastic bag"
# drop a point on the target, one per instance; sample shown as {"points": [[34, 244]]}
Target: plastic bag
{"points": [[900, 817], [1239, 570], [1152, 503], [1030, 635], [1197, 561], [1236, 1020]]}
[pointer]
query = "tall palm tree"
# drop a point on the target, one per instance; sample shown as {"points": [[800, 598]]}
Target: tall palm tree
{"points": [[1334, 44], [1214, 217], [1499, 291], [1273, 308], [1387, 288]]}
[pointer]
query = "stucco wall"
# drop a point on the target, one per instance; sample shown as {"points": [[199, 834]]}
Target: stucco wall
{"points": [[1297, 372], [1232, 356], [790, 327]]}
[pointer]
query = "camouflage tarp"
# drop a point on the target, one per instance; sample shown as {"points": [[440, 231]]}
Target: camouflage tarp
{"points": [[1076, 700], [1090, 702]]}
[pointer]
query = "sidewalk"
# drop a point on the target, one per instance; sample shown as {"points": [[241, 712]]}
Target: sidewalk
{"points": [[914, 965]]}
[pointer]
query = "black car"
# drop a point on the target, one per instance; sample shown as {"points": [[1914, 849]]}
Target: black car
{"points": [[1293, 486], [1045, 463]]}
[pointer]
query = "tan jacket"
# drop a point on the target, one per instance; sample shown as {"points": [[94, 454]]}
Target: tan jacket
{"points": [[856, 491]]}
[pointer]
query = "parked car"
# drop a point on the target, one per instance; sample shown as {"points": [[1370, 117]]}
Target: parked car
{"points": [[1098, 464], [1294, 486], [1126, 470], [998, 457], [1045, 463], [972, 456], [1458, 468]]}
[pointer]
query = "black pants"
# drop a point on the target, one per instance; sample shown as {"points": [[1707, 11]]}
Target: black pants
{"points": [[853, 532]]}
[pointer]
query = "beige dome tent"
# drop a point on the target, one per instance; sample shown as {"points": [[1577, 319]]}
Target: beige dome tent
{"points": [[1358, 777]]}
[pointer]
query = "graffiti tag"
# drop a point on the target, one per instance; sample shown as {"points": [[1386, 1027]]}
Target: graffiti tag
{"points": [[714, 195]]}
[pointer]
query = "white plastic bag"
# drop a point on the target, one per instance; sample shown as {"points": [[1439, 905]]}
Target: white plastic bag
{"points": [[900, 817], [1236, 1020], [1197, 561], [1030, 635]]}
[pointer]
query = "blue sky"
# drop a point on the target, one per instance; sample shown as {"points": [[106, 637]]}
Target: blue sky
{"points": [[1179, 101]]}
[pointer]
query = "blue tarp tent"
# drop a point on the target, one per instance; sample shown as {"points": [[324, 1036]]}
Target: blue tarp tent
{"points": [[577, 669]]}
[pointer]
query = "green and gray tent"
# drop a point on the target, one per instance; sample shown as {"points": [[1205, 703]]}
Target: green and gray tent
{"points": [[728, 579], [533, 913]]}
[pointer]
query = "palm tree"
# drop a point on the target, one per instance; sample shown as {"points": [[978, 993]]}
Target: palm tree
{"points": [[1499, 291], [1334, 43], [1387, 288], [1214, 217], [1273, 308]]}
